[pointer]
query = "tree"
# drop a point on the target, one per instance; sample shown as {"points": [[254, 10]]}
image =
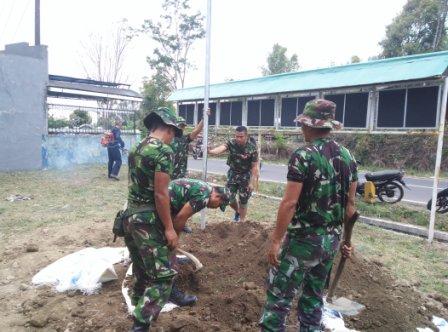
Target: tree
{"points": [[103, 58], [174, 34], [104, 55], [79, 117], [279, 63], [155, 94], [419, 28], [355, 59]]}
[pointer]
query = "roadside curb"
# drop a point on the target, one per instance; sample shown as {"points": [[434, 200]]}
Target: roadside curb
{"points": [[403, 228], [390, 225]]}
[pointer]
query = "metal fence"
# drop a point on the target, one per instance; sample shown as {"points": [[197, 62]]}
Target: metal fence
{"points": [[88, 120]]}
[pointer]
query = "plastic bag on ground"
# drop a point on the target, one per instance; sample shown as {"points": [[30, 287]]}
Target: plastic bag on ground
{"points": [[83, 270], [332, 320]]}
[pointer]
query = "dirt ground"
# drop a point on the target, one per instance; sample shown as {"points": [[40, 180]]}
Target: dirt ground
{"points": [[230, 287]]}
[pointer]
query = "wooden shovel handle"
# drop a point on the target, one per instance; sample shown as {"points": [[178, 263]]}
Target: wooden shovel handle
{"points": [[348, 230]]}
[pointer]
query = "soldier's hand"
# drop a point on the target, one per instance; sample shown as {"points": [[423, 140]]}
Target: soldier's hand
{"points": [[273, 253], [171, 238], [346, 251]]}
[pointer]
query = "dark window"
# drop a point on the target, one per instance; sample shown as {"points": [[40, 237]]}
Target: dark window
{"points": [[422, 107], [356, 110], [183, 111], [267, 113], [189, 116], [391, 108], [288, 113], [253, 113], [212, 116], [236, 113], [224, 118], [200, 112], [339, 101]]}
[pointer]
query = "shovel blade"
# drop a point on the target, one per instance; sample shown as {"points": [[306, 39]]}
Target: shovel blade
{"points": [[345, 306]]}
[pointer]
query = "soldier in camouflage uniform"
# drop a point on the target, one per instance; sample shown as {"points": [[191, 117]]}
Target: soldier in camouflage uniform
{"points": [[319, 194], [187, 197], [243, 169], [149, 230], [180, 147]]}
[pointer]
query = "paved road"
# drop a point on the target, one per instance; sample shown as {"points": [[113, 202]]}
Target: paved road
{"points": [[420, 188]]}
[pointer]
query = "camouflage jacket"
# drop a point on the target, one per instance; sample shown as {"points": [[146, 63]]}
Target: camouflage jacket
{"points": [[145, 159], [326, 170], [240, 158], [183, 191], [180, 160]]}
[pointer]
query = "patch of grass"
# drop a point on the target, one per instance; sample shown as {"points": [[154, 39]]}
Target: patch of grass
{"points": [[402, 212], [271, 188], [59, 197], [407, 257]]}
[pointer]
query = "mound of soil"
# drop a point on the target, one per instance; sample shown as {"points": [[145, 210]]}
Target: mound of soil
{"points": [[230, 288]]}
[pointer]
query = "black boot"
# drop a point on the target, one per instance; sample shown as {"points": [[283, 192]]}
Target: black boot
{"points": [[139, 326], [180, 298]]}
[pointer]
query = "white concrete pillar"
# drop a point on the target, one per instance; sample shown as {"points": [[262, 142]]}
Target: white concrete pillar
{"points": [[372, 110], [277, 111], [218, 113], [195, 116], [244, 112]]}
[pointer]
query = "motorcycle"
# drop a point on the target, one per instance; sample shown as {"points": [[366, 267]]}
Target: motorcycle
{"points": [[441, 202], [197, 149], [388, 185]]}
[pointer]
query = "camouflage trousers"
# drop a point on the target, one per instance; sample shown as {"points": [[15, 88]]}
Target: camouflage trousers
{"points": [[238, 183], [304, 263], [151, 265]]}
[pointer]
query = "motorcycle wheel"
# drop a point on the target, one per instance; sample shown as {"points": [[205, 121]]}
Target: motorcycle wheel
{"points": [[195, 156], [391, 193], [441, 203], [360, 189]]}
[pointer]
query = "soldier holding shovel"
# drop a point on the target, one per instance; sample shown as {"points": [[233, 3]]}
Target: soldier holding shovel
{"points": [[319, 195]]}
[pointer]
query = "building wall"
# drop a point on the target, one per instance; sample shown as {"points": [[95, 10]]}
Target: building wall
{"points": [[413, 105], [23, 82], [65, 150]]}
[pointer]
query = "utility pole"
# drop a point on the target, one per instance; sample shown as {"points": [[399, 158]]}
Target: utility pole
{"points": [[206, 100], [36, 22]]}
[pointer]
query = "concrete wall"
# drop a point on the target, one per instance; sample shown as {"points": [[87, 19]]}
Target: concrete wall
{"points": [[23, 84], [65, 150]]}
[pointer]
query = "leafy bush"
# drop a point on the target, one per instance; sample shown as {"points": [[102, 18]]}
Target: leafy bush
{"points": [[57, 123], [79, 117]]}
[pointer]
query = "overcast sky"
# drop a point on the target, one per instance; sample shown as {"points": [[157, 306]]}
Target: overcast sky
{"points": [[320, 32]]}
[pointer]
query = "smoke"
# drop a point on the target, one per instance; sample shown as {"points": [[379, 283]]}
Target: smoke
{"points": [[62, 151]]}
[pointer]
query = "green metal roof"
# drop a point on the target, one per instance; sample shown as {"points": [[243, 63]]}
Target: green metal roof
{"points": [[408, 68]]}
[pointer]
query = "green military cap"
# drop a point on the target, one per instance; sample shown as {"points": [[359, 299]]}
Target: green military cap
{"points": [[167, 115], [319, 113], [225, 197]]}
